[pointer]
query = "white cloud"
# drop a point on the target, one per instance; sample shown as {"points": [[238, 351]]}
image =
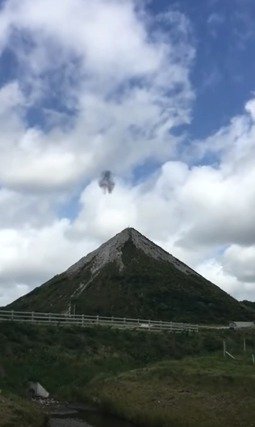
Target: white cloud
{"points": [[33, 254], [240, 261], [10, 98], [127, 86], [216, 273]]}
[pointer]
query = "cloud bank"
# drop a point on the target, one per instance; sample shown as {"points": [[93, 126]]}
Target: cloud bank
{"points": [[106, 85]]}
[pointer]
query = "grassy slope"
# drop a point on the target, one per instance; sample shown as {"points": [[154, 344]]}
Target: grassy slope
{"points": [[146, 288], [76, 363], [250, 305], [18, 412], [64, 359], [193, 392]]}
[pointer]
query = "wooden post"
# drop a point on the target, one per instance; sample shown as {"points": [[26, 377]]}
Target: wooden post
{"points": [[97, 319], [224, 348]]}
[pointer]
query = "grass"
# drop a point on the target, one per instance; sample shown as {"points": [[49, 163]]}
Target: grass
{"points": [[205, 391], [153, 379], [15, 411]]}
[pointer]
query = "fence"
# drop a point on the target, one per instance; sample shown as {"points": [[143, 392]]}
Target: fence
{"points": [[84, 320]]}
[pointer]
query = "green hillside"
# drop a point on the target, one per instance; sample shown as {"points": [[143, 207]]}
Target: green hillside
{"points": [[250, 305], [193, 392], [153, 379], [146, 286]]}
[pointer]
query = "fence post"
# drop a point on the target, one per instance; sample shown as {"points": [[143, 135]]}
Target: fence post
{"points": [[32, 316], [82, 320], [224, 348], [149, 325], [97, 319], [12, 316]]}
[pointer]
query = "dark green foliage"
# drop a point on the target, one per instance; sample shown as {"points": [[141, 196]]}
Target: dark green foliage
{"points": [[250, 305], [64, 359], [72, 363]]}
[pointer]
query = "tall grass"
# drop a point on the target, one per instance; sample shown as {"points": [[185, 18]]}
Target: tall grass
{"points": [[153, 379], [193, 392]]}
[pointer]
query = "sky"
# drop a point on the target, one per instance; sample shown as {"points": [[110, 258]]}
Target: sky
{"points": [[161, 93]]}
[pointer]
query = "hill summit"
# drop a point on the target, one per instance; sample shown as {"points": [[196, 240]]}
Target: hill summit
{"points": [[130, 276]]}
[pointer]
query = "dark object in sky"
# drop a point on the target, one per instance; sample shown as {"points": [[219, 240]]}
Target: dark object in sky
{"points": [[106, 182]]}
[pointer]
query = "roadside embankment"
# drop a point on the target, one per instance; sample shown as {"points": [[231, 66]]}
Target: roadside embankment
{"points": [[193, 392], [155, 379], [17, 412]]}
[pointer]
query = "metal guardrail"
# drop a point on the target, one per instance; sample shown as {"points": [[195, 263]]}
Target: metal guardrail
{"points": [[86, 320]]}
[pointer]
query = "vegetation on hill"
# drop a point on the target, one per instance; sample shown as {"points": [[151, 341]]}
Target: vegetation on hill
{"points": [[192, 392], [17, 412], [250, 305], [64, 359], [139, 375], [145, 288]]}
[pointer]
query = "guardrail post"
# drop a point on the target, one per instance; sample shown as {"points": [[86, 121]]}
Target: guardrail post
{"points": [[32, 316], [97, 319], [149, 324], [12, 315]]}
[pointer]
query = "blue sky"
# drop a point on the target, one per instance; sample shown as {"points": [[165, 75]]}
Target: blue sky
{"points": [[223, 71], [222, 74], [162, 94]]}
